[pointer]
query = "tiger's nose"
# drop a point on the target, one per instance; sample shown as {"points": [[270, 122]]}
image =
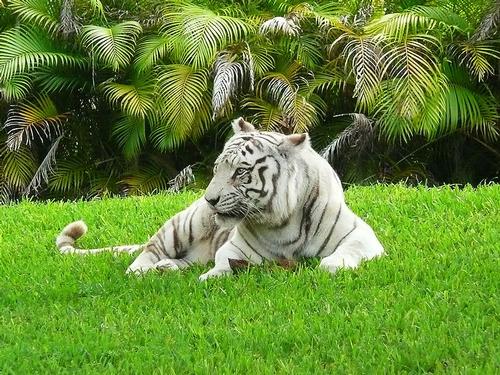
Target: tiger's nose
{"points": [[212, 201]]}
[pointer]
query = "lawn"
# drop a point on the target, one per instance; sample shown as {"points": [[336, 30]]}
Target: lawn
{"points": [[431, 304]]}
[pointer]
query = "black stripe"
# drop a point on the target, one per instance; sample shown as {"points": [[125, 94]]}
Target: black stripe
{"points": [[274, 180], [305, 220], [327, 239], [159, 238], [343, 238], [242, 252], [176, 238], [251, 247], [153, 249], [321, 219], [268, 138]]}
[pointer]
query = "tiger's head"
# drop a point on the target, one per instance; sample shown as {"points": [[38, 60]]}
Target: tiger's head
{"points": [[255, 176]]}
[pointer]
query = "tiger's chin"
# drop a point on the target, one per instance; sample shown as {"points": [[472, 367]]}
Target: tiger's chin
{"points": [[227, 220]]}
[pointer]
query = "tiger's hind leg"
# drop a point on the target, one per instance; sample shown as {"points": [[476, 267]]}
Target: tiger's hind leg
{"points": [[361, 244]]}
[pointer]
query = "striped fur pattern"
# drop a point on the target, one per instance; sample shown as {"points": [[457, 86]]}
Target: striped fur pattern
{"points": [[272, 197]]}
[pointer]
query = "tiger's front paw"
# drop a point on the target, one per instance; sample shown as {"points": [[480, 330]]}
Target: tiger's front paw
{"points": [[166, 265], [214, 272]]}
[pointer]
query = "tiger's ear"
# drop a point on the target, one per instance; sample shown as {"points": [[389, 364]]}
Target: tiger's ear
{"points": [[240, 125], [295, 142]]}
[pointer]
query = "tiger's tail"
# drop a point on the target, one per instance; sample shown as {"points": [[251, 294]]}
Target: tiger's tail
{"points": [[65, 242]]}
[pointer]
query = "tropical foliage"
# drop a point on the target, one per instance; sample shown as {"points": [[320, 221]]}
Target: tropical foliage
{"points": [[99, 98]]}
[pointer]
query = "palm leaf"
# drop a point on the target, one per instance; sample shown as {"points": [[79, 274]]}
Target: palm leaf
{"points": [[267, 116], [17, 167], [475, 54], [358, 135], [470, 110], [306, 49], [489, 23], [37, 12], [130, 133], [417, 20], [68, 23], [112, 46], [415, 73], [136, 99], [23, 49], [15, 88], [363, 59], [280, 26], [150, 51], [56, 80], [198, 34], [149, 178], [69, 176], [29, 121], [230, 74], [45, 169], [184, 105], [181, 180]]}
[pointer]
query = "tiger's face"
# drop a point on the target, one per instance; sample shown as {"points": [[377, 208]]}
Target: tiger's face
{"points": [[248, 175]]}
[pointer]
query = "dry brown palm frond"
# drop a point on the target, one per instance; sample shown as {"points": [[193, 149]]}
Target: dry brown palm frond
{"points": [[359, 135], [183, 179], [45, 169], [280, 26]]}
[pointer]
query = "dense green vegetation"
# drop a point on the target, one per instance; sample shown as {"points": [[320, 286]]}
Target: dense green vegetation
{"points": [[101, 97], [430, 305]]}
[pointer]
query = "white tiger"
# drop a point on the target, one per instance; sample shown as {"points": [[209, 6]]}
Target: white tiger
{"points": [[272, 197]]}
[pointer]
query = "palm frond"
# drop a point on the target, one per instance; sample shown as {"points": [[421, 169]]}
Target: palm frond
{"points": [[417, 20], [45, 169], [475, 54], [136, 99], [230, 74], [29, 121], [149, 178], [306, 49], [282, 89], [181, 180], [414, 72], [260, 56], [301, 114], [22, 49], [130, 133], [55, 80], [198, 34], [470, 110], [280, 26], [328, 80], [363, 57], [69, 176], [358, 135], [489, 23], [97, 8], [114, 46], [184, 105], [267, 116], [151, 50], [17, 167], [37, 12], [15, 88]]}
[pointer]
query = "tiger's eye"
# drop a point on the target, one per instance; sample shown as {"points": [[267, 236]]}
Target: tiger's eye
{"points": [[240, 171]]}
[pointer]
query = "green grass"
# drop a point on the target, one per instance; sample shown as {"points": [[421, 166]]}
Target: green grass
{"points": [[430, 305]]}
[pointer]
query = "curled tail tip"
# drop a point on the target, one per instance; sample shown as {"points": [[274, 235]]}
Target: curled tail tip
{"points": [[75, 230], [71, 233]]}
